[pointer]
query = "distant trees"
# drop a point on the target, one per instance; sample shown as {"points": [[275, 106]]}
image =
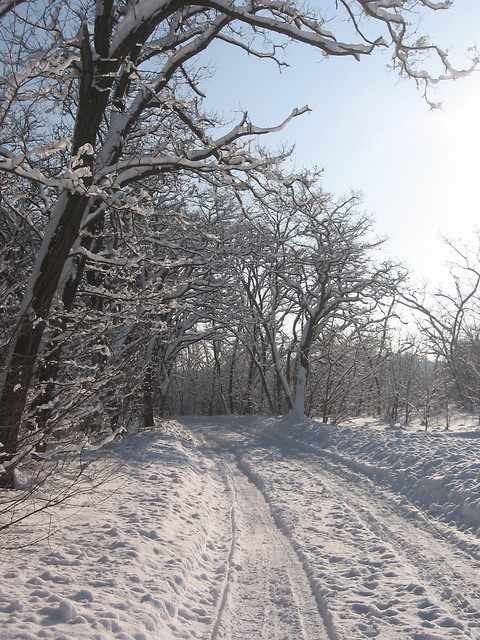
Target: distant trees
{"points": [[449, 323], [359, 362], [102, 123], [301, 272]]}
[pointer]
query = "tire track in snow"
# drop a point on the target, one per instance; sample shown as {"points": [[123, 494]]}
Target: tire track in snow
{"points": [[414, 540], [266, 592], [282, 530], [377, 569], [219, 469], [289, 608], [229, 568], [358, 516]]}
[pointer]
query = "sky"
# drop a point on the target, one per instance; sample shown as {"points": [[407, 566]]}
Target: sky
{"points": [[372, 132]]}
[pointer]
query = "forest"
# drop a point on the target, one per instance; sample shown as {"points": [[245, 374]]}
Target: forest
{"points": [[155, 261]]}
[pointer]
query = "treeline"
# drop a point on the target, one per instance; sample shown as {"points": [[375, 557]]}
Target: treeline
{"points": [[144, 244], [390, 350], [348, 379], [266, 301]]}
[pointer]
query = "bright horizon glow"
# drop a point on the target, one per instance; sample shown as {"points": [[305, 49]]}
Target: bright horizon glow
{"points": [[373, 133]]}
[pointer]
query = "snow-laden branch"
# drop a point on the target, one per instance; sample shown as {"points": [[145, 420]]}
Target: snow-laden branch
{"points": [[128, 171], [9, 5], [291, 22], [262, 55]]}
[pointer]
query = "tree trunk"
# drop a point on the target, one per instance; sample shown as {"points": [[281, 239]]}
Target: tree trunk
{"points": [[303, 367], [301, 388], [60, 236], [42, 407], [394, 411], [231, 374], [148, 381]]}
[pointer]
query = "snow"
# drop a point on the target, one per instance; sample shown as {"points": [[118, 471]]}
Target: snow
{"points": [[254, 528], [139, 12]]}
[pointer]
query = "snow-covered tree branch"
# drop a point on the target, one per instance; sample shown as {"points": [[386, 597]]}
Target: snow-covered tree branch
{"points": [[98, 98]]}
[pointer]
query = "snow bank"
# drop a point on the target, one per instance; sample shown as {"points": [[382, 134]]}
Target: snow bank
{"points": [[158, 540], [438, 471], [138, 557]]}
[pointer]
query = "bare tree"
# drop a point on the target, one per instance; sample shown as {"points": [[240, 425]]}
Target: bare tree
{"points": [[308, 263], [334, 275], [88, 92], [449, 320]]}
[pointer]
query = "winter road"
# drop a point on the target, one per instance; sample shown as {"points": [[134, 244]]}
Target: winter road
{"points": [[321, 551], [255, 529]]}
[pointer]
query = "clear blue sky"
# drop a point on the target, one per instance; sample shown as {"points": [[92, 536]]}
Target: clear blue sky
{"points": [[418, 170]]}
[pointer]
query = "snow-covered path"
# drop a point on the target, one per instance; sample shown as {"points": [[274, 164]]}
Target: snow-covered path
{"points": [[379, 565], [267, 593], [255, 529]]}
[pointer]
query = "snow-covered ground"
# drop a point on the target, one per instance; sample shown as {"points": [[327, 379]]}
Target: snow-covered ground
{"points": [[255, 528]]}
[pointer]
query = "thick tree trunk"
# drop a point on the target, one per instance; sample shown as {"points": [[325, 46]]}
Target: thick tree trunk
{"points": [[148, 382], [303, 368], [48, 373], [282, 384], [59, 238], [301, 387], [42, 406]]}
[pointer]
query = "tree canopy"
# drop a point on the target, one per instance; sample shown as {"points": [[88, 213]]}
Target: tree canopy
{"points": [[106, 152]]}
